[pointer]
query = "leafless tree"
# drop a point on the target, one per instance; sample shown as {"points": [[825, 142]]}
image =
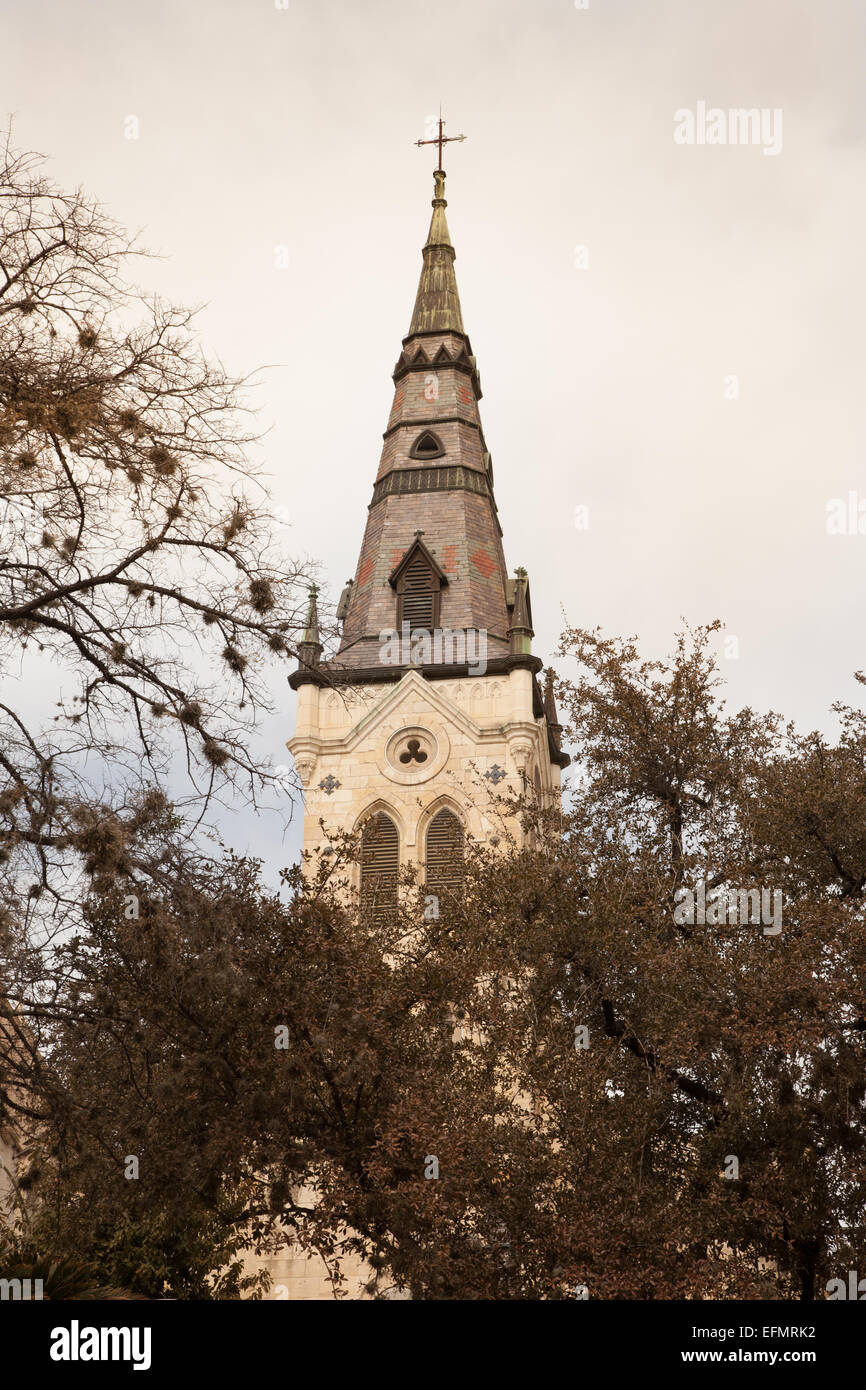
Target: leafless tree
{"points": [[138, 571]]}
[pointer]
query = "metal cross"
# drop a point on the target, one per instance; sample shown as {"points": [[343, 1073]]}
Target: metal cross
{"points": [[441, 139]]}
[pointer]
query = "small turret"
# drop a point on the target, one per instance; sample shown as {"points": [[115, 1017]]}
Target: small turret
{"points": [[345, 600], [553, 724], [310, 645], [520, 633]]}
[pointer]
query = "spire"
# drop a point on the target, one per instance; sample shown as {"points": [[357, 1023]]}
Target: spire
{"points": [[520, 628], [553, 724], [345, 600], [437, 305], [550, 698], [434, 478], [310, 645]]}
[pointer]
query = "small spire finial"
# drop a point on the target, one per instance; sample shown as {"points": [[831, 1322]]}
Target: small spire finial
{"points": [[345, 600], [519, 630], [310, 645]]}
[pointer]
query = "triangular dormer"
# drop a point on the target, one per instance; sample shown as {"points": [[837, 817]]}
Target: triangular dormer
{"points": [[418, 582]]}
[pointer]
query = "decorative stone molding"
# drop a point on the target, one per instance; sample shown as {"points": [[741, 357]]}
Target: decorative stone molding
{"points": [[496, 774], [521, 752], [305, 765]]}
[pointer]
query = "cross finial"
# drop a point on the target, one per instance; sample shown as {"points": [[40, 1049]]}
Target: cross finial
{"points": [[441, 140]]}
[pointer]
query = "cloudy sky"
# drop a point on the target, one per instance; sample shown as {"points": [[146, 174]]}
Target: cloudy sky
{"points": [[669, 335]]}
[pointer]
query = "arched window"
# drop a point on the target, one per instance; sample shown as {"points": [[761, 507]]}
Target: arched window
{"points": [[444, 856], [380, 866], [427, 446]]}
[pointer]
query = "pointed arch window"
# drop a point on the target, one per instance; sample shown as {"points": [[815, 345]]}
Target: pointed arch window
{"points": [[380, 866], [427, 446], [444, 854]]}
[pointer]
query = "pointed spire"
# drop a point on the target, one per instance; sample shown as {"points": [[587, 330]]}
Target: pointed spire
{"points": [[550, 710], [345, 600], [437, 305], [549, 697], [554, 728], [310, 645], [520, 632]]}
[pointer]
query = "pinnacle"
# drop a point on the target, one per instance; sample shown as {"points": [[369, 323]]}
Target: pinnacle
{"points": [[437, 305]]}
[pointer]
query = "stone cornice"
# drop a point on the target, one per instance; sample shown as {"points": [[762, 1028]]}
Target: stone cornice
{"points": [[387, 675], [435, 478], [332, 675], [423, 364], [413, 422], [438, 333]]}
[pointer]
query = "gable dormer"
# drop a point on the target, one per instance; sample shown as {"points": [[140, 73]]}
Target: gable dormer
{"points": [[418, 582]]}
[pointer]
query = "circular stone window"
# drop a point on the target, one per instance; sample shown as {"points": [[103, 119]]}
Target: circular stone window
{"points": [[413, 755]]}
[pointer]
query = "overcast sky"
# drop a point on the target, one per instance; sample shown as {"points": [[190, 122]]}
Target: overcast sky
{"points": [[606, 370]]}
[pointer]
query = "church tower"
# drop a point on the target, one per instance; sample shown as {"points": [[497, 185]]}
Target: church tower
{"points": [[432, 701]]}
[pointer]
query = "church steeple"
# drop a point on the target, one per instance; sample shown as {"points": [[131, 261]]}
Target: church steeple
{"points": [[435, 475], [437, 711], [435, 480]]}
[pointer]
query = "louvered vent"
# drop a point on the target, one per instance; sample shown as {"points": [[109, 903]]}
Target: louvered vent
{"points": [[444, 854], [417, 596], [380, 863]]}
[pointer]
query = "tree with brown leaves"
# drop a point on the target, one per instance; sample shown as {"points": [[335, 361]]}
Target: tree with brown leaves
{"points": [[137, 572], [562, 1085]]}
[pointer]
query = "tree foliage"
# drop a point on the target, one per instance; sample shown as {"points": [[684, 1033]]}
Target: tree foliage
{"points": [[561, 1166]]}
